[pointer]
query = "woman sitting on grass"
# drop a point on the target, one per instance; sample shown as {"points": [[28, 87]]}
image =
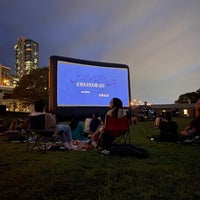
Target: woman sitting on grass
{"points": [[77, 129], [168, 129]]}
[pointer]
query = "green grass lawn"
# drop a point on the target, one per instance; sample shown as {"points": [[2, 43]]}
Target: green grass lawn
{"points": [[170, 172]]}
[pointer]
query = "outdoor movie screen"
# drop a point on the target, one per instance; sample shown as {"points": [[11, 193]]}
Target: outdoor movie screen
{"points": [[82, 83]]}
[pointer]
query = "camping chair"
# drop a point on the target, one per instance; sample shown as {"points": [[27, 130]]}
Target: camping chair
{"points": [[118, 128], [39, 136], [87, 124]]}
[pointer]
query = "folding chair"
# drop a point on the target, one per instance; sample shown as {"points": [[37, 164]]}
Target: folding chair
{"points": [[118, 128], [116, 131], [87, 124], [39, 136]]}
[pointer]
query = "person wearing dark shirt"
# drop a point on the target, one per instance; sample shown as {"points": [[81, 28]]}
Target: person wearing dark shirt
{"points": [[168, 129], [95, 122]]}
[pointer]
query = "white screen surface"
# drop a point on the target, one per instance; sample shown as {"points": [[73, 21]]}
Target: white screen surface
{"points": [[90, 85]]}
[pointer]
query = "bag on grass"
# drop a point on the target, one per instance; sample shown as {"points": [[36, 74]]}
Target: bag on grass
{"points": [[16, 138], [128, 150]]}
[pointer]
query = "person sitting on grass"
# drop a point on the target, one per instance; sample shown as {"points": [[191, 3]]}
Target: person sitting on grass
{"points": [[168, 129], [95, 122], [77, 129]]}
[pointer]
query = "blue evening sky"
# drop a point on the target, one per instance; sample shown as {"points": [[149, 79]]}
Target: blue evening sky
{"points": [[158, 39]]}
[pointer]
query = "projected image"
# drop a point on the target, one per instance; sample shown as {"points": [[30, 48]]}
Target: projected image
{"points": [[87, 85]]}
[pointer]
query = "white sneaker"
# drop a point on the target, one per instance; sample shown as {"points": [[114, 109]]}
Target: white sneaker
{"points": [[105, 152], [66, 145], [69, 146], [72, 147]]}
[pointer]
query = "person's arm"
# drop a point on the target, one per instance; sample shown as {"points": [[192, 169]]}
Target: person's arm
{"points": [[185, 131]]}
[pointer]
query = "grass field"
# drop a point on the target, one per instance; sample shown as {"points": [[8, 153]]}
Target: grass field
{"points": [[170, 172]]}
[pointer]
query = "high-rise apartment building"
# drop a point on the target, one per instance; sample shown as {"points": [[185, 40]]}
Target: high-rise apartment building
{"points": [[26, 56]]}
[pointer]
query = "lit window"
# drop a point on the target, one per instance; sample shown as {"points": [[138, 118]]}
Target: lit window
{"points": [[185, 112]]}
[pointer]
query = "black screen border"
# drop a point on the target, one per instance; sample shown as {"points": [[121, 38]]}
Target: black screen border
{"points": [[77, 110]]}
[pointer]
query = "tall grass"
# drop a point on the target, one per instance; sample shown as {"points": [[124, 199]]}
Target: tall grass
{"points": [[170, 172]]}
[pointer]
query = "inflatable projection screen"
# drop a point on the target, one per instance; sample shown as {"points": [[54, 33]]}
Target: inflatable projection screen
{"points": [[83, 87]]}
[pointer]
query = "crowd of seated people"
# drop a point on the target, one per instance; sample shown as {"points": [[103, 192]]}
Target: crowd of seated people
{"points": [[75, 131], [169, 129]]}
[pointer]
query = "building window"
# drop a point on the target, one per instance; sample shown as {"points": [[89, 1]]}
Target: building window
{"points": [[185, 112]]}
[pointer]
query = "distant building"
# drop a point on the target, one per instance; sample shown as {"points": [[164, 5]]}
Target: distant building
{"points": [[5, 82], [15, 105], [150, 112], [182, 109], [4, 75], [26, 56]]}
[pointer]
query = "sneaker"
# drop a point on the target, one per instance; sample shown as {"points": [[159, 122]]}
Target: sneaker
{"points": [[69, 146], [66, 145], [62, 148], [72, 147], [83, 141], [188, 141], [31, 139], [105, 152]]}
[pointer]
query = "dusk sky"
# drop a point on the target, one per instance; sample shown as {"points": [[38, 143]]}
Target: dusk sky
{"points": [[158, 39]]}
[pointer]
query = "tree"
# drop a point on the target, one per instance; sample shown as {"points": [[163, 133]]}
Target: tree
{"points": [[190, 97], [33, 86]]}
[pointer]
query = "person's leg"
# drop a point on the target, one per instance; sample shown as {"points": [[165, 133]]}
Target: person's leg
{"points": [[95, 138], [107, 141], [66, 137]]}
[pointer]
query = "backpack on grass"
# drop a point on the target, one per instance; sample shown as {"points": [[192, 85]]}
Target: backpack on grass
{"points": [[128, 150], [16, 138]]}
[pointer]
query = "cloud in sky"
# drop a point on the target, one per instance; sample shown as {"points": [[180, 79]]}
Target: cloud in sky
{"points": [[158, 39]]}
